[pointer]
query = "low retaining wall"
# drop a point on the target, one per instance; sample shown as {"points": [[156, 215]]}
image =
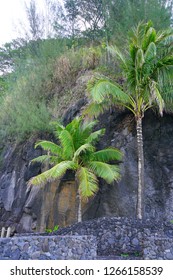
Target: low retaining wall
{"points": [[94, 239], [156, 248], [118, 236], [48, 248]]}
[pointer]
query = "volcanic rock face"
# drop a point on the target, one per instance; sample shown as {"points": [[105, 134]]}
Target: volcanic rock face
{"points": [[35, 209]]}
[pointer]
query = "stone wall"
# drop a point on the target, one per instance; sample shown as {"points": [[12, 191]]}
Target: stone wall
{"points": [[48, 248], [104, 238], [157, 248], [117, 236]]}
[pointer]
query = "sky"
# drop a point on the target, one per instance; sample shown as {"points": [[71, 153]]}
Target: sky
{"points": [[12, 12]]}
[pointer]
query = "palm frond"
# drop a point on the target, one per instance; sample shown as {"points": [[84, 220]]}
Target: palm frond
{"points": [[114, 50], [87, 126], [74, 125], [49, 146], [139, 61], [150, 52], [156, 96], [94, 136], [82, 132], [96, 109], [67, 144], [106, 171], [52, 174], [107, 155], [104, 89], [163, 35], [88, 183], [57, 128], [149, 37], [83, 149], [46, 158]]}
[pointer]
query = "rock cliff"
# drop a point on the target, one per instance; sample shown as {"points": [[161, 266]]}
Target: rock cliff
{"points": [[35, 209]]}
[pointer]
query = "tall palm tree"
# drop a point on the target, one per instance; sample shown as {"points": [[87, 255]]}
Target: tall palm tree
{"points": [[76, 151], [147, 70]]}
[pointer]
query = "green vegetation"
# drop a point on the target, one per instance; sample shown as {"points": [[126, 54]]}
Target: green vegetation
{"points": [[147, 75], [39, 73], [77, 152], [49, 230], [39, 89]]}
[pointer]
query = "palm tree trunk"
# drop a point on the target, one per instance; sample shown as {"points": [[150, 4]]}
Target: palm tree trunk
{"points": [[139, 207], [79, 211]]}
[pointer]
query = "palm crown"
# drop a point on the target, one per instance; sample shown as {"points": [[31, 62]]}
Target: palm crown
{"points": [[147, 67], [76, 151]]}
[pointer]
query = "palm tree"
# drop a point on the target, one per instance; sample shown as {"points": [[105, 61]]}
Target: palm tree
{"points": [[147, 72], [77, 152]]}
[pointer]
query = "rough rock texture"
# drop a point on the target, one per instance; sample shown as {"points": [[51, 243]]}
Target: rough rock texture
{"points": [[34, 209], [103, 239], [48, 248], [125, 238]]}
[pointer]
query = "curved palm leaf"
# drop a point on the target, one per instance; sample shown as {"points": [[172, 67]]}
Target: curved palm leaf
{"points": [[47, 158], [54, 173], [163, 35], [82, 132], [49, 146], [107, 155], [105, 171], [95, 109], [57, 128], [67, 144], [104, 89], [88, 183], [94, 137], [74, 125], [114, 50], [88, 126], [156, 96], [83, 149], [150, 52]]}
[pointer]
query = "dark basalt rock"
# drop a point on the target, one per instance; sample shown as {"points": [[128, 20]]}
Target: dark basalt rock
{"points": [[34, 209]]}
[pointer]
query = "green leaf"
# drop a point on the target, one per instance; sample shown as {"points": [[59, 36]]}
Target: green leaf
{"points": [[83, 149], [149, 37], [150, 52], [106, 171], [88, 184], [67, 143], [52, 174], [74, 125], [139, 59], [104, 89], [41, 159], [94, 137], [47, 158], [96, 109], [156, 96], [49, 146], [114, 50], [107, 155], [163, 35], [57, 127]]}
